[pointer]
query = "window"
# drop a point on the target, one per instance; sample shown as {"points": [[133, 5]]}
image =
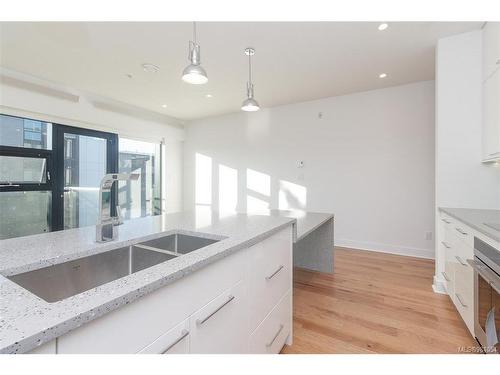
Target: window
{"points": [[25, 176], [22, 170], [143, 197], [50, 176], [24, 213], [21, 132]]}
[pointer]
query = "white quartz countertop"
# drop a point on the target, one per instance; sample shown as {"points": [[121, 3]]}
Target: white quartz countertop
{"points": [[307, 222], [27, 321], [477, 219]]}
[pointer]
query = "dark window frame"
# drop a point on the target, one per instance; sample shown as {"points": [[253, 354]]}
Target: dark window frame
{"points": [[55, 167], [58, 131]]}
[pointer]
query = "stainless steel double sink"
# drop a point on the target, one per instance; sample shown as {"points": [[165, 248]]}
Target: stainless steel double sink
{"points": [[60, 281]]}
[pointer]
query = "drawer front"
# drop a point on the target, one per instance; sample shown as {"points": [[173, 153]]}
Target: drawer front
{"points": [[175, 341], [270, 275], [464, 283], [142, 322], [457, 229], [449, 267], [464, 301], [221, 327], [446, 221], [273, 332], [463, 233]]}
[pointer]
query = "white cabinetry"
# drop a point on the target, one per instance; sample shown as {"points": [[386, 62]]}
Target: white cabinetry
{"points": [[491, 91], [216, 309], [270, 276], [222, 325], [174, 341], [491, 117], [272, 333], [491, 48], [457, 243]]}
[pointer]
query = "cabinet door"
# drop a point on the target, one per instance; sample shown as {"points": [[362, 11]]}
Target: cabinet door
{"points": [[449, 266], [175, 341], [464, 284], [491, 48], [491, 117], [221, 327], [272, 334], [270, 275]]}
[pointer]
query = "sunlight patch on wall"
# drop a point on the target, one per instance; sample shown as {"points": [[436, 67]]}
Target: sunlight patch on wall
{"points": [[256, 205], [258, 182], [203, 178], [228, 190], [292, 196]]}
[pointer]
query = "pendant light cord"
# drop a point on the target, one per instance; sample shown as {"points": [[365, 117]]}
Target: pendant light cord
{"points": [[194, 32], [249, 69]]}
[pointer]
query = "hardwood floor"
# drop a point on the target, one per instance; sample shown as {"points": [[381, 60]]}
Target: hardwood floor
{"points": [[374, 303]]}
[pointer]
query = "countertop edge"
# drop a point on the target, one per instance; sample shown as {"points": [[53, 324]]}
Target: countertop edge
{"points": [[316, 226], [487, 233]]}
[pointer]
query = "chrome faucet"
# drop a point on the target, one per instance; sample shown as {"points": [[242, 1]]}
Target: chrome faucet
{"points": [[105, 222]]}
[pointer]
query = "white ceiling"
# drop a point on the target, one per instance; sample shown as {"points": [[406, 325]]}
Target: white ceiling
{"points": [[294, 61]]}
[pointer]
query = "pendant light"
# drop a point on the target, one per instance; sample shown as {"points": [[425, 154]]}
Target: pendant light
{"points": [[250, 104], [194, 73]]}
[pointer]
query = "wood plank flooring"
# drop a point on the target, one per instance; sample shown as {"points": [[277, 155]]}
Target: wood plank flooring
{"points": [[374, 303]]}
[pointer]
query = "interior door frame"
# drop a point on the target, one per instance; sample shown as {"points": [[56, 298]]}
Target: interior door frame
{"points": [[58, 131]]}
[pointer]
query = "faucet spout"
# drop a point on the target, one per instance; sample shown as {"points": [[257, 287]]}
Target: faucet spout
{"points": [[105, 222]]}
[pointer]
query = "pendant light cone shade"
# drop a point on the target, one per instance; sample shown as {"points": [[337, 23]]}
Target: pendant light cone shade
{"points": [[194, 73], [250, 104]]}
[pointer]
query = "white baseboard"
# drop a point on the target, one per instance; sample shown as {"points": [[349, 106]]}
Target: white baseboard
{"points": [[438, 286], [385, 248]]}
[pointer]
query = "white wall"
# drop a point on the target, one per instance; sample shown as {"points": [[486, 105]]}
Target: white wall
{"points": [[461, 179], [369, 160], [31, 97]]}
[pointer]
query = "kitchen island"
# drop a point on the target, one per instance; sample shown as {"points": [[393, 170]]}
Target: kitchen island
{"points": [[233, 295], [313, 245]]}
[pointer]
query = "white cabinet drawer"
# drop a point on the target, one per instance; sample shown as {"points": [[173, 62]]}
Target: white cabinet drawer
{"points": [[449, 266], [221, 327], [175, 341], [270, 275], [491, 117], [446, 221], [464, 297], [145, 320], [271, 335]]}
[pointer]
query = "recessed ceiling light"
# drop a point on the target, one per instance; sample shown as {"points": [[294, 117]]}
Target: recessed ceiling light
{"points": [[209, 96], [383, 26], [164, 106], [150, 68], [382, 75]]}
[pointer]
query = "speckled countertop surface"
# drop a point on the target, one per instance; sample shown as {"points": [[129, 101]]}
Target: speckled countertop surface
{"points": [[477, 219], [27, 321], [307, 222]]}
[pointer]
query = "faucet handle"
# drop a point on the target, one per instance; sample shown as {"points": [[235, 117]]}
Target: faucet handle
{"points": [[118, 220]]}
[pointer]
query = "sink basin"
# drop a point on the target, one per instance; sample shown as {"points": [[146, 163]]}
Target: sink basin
{"points": [[179, 243], [60, 281]]}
